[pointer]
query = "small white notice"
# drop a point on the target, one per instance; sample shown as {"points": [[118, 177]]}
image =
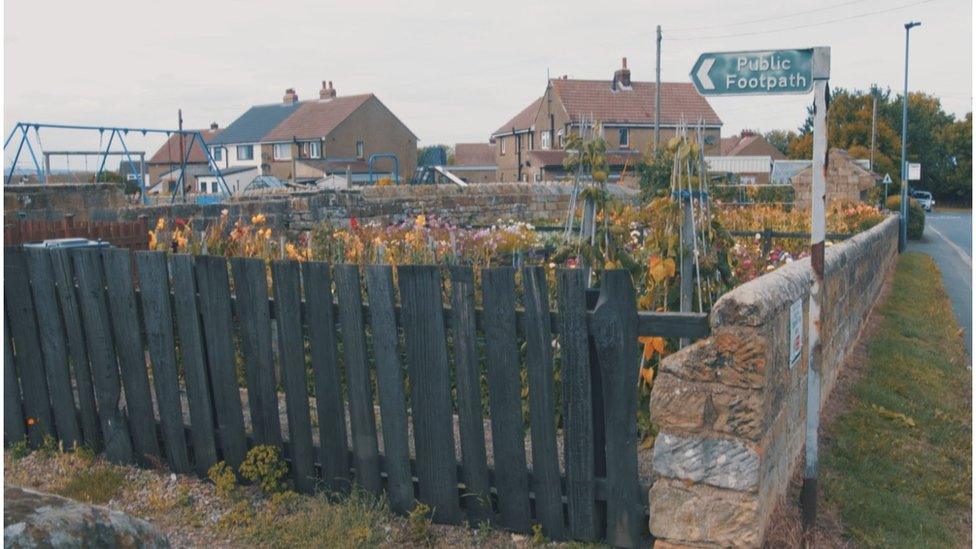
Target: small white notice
{"points": [[796, 332], [914, 172]]}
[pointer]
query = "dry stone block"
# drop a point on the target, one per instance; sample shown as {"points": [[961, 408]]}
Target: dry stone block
{"points": [[720, 462], [706, 407], [702, 516]]}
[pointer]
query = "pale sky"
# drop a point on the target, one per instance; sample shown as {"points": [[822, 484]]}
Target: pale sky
{"points": [[452, 71]]}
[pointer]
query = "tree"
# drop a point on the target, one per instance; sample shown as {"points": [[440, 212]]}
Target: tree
{"points": [[781, 139], [957, 139]]}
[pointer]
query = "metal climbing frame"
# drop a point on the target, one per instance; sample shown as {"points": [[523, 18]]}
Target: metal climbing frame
{"points": [[24, 128]]}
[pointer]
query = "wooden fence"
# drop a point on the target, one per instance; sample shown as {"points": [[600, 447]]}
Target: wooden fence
{"points": [[95, 337], [133, 235]]}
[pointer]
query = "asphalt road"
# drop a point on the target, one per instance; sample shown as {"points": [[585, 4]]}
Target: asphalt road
{"points": [[948, 238]]}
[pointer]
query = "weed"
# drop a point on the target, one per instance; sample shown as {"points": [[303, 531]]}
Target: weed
{"points": [[264, 466], [418, 525], [538, 538], [99, 484], [485, 532], [241, 516], [19, 450], [224, 479]]}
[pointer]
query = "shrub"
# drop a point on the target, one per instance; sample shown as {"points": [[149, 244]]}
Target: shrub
{"points": [[264, 466], [418, 525], [224, 478], [916, 215]]}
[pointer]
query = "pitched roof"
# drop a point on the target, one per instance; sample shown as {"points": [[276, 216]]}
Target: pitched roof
{"points": [[523, 120], [316, 118], [555, 157], [737, 145], [169, 153], [474, 154], [255, 123], [680, 102]]}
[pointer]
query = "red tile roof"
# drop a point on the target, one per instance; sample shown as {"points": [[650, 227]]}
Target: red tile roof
{"points": [[474, 154], [680, 102], [169, 153], [522, 120], [736, 145], [316, 119]]}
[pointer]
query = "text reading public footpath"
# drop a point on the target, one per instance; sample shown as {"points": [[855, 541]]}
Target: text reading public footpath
{"points": [[757, 72]]}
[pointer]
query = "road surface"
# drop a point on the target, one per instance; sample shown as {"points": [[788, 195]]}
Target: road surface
{"points": [[948, 238]]}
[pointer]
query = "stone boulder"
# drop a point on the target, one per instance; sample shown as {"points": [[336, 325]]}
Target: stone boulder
{"points": [[35, 519]]}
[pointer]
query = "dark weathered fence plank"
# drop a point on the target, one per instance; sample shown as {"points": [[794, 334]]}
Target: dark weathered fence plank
{"points": [[577, 404], [254, 318], [128, 347], [13, 412], [468, 373], [158, 319], [430, 389], [104, 363], [505, 400], [615, 336], [23, 328], [77, 349], [195, 372], [389, 386], [53, 347], [363, 422], [214, 288], [333, 452], [291, 350], [542, 405]]}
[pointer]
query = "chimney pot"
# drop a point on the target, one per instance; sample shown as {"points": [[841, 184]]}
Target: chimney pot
{"points": [[290, 96], [621, 78], [213, 126], [625, 62]]}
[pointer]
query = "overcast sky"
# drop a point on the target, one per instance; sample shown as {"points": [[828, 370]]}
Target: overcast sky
{"points": [[452, 71]]}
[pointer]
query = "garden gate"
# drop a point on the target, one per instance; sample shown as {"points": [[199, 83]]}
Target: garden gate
{"points": [[456, 361]]}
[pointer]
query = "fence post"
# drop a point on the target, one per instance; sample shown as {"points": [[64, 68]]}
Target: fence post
{"points": [[68, 224], [143, 242], [615, 335], [767, 241]]}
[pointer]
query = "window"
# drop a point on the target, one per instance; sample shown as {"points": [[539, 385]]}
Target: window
{"points": [[501, 141], [545, 141], [561, 138], [624, 138], [310, 149], [282, 151], [360, 149], [218, 154], [245, 152], [532, 141]]}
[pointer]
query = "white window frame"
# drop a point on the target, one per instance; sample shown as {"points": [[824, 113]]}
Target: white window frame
{"points": [[310, 149], [249, 148], [281, 147], [545, 141], [624, 135], [501, 141], [360, 149], [217, 153], [561, 137]]}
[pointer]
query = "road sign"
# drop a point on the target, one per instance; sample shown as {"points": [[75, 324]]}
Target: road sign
{"points": [[886, 180], [754, 72], [914, 172]]}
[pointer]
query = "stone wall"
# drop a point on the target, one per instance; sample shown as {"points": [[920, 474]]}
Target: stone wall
{"points": [[300, 211], [846, 181], [731, 407]]}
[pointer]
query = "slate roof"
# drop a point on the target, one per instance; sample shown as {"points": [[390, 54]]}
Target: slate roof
{"points": [[523, 120], [169, 153], [315, 119], [737, 144], [474, 154], [255, 123], [783, 170]]}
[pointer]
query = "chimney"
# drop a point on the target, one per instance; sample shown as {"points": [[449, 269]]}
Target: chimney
{"points": [[290, 96], [621, 78], [327, 91], [213, 126]]}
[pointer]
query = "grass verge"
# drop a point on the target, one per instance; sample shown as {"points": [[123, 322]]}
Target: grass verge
{"points": [[898, 468]]}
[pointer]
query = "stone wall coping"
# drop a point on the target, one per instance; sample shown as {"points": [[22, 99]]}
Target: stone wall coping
{"points": [[758, 300]]}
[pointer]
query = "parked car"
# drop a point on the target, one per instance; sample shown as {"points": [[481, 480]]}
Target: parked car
{"points": [[924, 199]]}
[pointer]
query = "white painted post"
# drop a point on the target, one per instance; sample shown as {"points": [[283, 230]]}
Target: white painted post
{"points": [[818, 227]]}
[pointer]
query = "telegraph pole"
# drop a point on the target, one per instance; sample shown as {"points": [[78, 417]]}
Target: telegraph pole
{"points": [[874, 127], [657, 94], [903, 232]]}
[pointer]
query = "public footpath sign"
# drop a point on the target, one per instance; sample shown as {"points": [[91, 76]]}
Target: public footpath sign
{"points": [[754, 72]]}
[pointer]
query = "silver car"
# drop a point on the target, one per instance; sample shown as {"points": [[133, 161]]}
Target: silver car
{"points": [[924, 199]]}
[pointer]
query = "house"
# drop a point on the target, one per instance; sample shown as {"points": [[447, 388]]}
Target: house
{"points": [[847, 180], [304, 141], [741, 170], [168, 157], [749, 143], [530, 146], [474, 162]]}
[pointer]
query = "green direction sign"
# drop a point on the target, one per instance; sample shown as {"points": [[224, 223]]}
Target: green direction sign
{"points": [[754, 72]]}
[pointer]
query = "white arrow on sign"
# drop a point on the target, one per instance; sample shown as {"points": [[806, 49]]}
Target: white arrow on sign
{"points": [[702, 75]]}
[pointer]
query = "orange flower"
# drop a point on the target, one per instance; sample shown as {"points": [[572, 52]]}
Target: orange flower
{"points": [[652, 344], [647, 376]]}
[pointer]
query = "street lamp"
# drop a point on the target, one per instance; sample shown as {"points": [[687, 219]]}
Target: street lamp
{"points": [[903, 225]]}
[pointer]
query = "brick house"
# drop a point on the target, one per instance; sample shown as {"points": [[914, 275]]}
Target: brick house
{"points": [[749, 143], [529, 147], [847, 180], [166, 160], [306, 140], [474, 162]]}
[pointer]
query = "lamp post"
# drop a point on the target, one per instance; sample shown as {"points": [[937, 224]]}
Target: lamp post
{"points": [[903, 225]]}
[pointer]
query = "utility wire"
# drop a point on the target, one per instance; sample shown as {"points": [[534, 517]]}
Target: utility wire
{"points": [[787, 16], [784, 29]]}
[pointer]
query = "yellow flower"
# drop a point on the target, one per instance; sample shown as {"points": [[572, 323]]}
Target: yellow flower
{"points": [[421, 221], [258, 219], [152, 239], [161, 224]]}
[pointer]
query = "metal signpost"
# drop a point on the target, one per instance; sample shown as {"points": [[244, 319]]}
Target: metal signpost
{"points": [[782, 72]]}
